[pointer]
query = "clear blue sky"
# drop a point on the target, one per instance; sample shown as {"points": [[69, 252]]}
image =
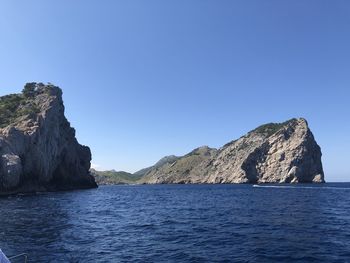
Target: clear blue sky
{"points": [[144, 79]]}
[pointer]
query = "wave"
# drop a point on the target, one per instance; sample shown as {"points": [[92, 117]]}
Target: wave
{"points": [[301, 187]]}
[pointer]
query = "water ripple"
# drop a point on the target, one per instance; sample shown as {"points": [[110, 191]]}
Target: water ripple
{"points": [[181, 223]]}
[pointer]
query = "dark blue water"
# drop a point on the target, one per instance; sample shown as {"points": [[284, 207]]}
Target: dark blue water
{"points": [[181, 223]]}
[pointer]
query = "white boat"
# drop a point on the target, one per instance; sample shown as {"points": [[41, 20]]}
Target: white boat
{"points": [[4, 259], [23, 255]]}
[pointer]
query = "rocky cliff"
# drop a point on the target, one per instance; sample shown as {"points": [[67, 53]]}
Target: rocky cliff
{"points": [[273, 153], [38, 148]]}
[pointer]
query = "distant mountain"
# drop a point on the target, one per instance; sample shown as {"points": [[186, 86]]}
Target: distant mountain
{"points": [[114, 177], [165, 160], [181, 169]]}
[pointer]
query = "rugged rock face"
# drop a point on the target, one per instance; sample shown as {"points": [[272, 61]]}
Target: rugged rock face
{"points": [[38, 148], [273, 153]]}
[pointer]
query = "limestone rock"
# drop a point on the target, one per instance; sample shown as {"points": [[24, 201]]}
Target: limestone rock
{"points": [[38, 148]]}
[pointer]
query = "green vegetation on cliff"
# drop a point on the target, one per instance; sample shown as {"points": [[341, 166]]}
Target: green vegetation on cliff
{"points": [[271, 128], [114, 177], [14, 106]]}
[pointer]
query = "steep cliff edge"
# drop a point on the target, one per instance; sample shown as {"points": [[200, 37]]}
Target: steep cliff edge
{"points": [[272, 153], [38, 148]]}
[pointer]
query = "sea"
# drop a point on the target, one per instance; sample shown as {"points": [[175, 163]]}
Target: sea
{"points": [[180, 223]]}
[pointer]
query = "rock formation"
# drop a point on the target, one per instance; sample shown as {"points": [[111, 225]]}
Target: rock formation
{"points": [[273, 153], [38, 148]]}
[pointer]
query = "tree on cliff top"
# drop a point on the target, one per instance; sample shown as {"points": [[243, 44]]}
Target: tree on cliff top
{"points": [[29, 90]]}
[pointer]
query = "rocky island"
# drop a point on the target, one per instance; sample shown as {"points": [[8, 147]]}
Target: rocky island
{"points": [[38, 148], [272, 153]]}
